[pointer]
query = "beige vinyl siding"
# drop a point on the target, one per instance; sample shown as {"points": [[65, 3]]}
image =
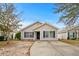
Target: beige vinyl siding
{"points": [[47, 28]]}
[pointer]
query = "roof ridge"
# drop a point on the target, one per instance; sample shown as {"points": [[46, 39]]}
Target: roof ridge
{"points": [[30, 25], [46, 24]]}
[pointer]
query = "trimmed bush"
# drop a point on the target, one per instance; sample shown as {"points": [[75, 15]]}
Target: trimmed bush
{"points": [[1, 38], [73, 39], [18, 35]]}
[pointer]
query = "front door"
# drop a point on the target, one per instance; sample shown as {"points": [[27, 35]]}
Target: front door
{"points": [[38, 35]]}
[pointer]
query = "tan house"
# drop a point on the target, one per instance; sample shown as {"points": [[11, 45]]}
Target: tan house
{"points": [[39, 31]]}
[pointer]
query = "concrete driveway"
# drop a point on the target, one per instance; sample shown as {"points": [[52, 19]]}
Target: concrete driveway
{"points": [[53, 48]]}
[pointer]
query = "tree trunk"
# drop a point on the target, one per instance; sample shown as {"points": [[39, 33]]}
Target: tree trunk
{"points": [[8, 38]]}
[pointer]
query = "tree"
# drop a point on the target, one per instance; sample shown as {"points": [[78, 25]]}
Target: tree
{"points": [[9, 19], [18, 35], [70, 12]]}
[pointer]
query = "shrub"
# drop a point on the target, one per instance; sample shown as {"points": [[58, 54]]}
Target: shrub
{"points": [[18, 35], [1, 38], [73, 39]]}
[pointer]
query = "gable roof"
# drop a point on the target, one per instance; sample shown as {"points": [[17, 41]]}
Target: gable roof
{"points": [[46, 24], [30, 25]]}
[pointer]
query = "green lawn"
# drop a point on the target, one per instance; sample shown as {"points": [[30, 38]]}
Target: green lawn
{"points": [[73, 42]]}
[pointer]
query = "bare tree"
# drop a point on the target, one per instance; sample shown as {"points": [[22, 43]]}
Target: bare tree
{"points": [[9, 19]]}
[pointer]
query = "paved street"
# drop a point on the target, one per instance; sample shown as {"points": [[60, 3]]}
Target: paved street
{"points": [[53, 48]]}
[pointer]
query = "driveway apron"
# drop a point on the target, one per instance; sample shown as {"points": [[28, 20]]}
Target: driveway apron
{"points": [[53, 48]]}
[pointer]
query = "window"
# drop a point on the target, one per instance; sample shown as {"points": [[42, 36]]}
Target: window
{"points": [[28, 34], [70, 35], [45, 34], [31, 34], [52, 34]]}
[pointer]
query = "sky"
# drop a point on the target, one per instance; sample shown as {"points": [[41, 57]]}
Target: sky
{"points": [[41, 12]]}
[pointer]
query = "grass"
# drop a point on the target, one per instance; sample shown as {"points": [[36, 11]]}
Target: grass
{"points": [[6, 43], [2, 44], [73, 42], [12, 43]]}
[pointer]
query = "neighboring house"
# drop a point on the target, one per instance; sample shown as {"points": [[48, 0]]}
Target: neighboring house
{"points": [[69, 33], [39, 31]]}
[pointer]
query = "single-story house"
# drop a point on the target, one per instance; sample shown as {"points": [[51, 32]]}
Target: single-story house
{"points": [[69, 33], [39, 31]]}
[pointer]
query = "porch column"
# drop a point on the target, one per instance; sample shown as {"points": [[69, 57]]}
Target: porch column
{"points": [[77, 35], [34, 35]]}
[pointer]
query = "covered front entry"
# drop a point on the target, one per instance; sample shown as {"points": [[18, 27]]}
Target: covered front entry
{"points": [[38, 35]]}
